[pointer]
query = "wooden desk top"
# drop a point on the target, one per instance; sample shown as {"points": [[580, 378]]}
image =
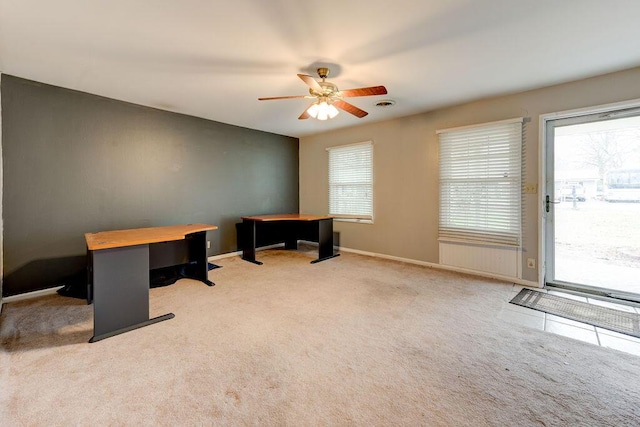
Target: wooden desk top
{"points": [[142, 236], [286, 217]]}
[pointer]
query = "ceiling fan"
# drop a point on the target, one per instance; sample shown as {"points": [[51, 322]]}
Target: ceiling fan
{"points": [[328, 97]]}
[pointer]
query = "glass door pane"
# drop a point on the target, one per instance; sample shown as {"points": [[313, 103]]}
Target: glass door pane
{"points": [[595, 203]]}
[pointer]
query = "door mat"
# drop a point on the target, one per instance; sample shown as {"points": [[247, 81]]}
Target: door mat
{"points": [[595, 315]]}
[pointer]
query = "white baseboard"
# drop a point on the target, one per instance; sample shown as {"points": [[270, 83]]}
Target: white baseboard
{"points": [[50, 291], [32, 294], [239, 253], [222, 256], [522, 282]]}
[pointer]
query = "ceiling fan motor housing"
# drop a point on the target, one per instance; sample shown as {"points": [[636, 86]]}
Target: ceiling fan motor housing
{"points": [[323, 72], [328, 89]]}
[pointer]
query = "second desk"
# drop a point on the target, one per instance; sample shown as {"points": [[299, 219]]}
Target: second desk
{"points": [[261, 230]]}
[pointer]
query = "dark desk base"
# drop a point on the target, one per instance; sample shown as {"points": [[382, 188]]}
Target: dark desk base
{"points": [[324, 259], [120, 281], [132, 327], [252, 234]]}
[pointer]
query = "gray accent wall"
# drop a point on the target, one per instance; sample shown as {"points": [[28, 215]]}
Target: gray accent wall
{"points": [[75, 163]]}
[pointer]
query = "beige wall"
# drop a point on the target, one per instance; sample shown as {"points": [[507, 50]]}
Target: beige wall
{"points": [[406, 165]]}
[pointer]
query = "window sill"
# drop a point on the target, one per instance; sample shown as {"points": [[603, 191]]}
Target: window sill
{"points": [[478, 243], [359, 221]]}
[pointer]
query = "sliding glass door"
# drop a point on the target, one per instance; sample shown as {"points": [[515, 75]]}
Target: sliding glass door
{"points": [[592, 203]]}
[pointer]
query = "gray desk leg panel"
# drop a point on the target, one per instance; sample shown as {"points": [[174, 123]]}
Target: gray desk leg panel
{"points": [[198, 257], [120, 288], [249, 244], [325, 240]]}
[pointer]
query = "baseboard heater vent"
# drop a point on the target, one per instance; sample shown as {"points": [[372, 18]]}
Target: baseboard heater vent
{"points": [[502, 260]]}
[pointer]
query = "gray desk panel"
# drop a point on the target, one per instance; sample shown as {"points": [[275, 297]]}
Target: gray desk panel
{"points": [[121, 288]]}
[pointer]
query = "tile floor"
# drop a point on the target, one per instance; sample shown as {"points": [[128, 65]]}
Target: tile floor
{"points": [[570, 328]]}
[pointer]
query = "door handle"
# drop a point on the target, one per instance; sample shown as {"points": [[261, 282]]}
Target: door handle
{"points": [[548, 202]]}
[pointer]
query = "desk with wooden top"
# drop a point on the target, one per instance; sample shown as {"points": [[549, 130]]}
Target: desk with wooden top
{"points": [[287, 228], [119, 264]]}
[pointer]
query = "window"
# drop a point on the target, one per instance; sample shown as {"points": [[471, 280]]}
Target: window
{"points": [[480, 182], [351, 181]]}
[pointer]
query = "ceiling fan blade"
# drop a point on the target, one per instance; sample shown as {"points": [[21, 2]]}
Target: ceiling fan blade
{"points": [[349, 108], [282, 97], [304, 115], [311, 82], [364, 91]]}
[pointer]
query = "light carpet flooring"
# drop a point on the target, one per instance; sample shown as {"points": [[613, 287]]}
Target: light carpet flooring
{"points": [[350, 341]]}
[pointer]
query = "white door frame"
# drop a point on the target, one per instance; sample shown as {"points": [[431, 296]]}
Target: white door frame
{"points": [[542, 168], [1, 197]]}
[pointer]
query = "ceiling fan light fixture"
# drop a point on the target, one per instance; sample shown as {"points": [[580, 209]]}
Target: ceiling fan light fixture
{"points": [[313, 110], [323, 114], [322, 110]]}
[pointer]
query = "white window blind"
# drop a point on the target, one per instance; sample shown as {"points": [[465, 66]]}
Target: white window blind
{"points": [[480, 183], [351, 181]]}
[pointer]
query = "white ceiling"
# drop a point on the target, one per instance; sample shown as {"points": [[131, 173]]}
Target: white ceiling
{"points": [[213, 59]]}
